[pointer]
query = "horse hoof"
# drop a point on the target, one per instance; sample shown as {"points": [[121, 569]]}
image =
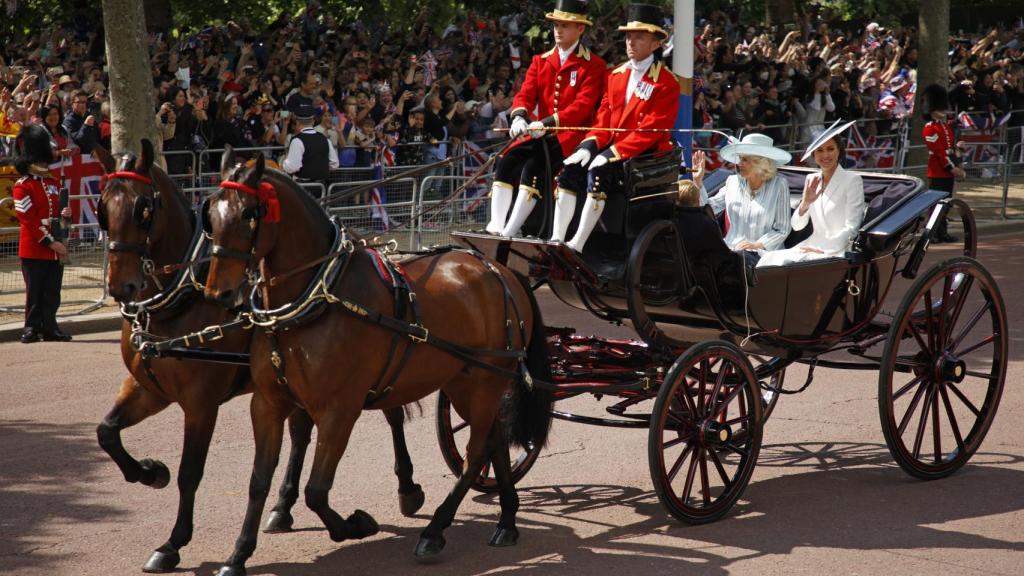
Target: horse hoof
{"points": [[504, 537], [161, 562], [278, 522], [429, 546], [411, 503], [231, 571], [363, 525], [154, 474]]}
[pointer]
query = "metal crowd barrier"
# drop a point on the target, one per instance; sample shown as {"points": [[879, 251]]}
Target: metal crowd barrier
{"points": [[398, 204]]}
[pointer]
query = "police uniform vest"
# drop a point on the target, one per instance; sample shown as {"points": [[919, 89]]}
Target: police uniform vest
{"points": [[316, 158]]}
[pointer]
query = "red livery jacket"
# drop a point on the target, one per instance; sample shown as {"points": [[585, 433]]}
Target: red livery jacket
{"points": [[563, 95], [36, 203], [938, 136], [654, 104]]}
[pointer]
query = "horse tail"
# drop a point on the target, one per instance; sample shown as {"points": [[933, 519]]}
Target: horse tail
{"points": [[530, 401]]}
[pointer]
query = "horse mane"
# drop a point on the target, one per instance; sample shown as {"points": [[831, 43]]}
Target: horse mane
{"points": [[167, 185], [316, 212]]}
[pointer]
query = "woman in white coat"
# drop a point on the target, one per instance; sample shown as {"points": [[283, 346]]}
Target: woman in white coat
{"points": [[833, 201]]}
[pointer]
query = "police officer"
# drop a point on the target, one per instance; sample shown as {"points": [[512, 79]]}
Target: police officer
{"points": [[562, 88], [943, 160], [640, 94], [37, 206], [311, 155]]}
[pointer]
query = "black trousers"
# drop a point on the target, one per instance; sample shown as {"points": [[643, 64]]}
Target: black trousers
{"points": [[946, 185], [43, 279], [608, 179], [527, 164]]}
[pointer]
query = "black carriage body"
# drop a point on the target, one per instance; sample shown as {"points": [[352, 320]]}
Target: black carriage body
{"points": [[657, 272]]}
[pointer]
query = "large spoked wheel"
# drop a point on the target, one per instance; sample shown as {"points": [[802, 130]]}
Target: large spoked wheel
{"points": [[771, 385], [705, 432], [452, 435], [943, 368]]}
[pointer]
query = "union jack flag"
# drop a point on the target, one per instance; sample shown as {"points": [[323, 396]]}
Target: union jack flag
{"points": [[384, 157], [81, 176], [870, 151]]}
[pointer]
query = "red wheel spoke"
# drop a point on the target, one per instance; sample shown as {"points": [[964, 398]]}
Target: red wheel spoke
{"points": [[705, 484], [952, 419], [702, 383], [964, 399], [738, 420], [679, 463], [910, 410], [973, 347], [684, 391], [958, 306], [936, 436], [719, 382], [736, 449], [917, 336], [977, 374], [728, 399], [459, 428], [690, 473], [947, 285], [721, 469], [970, 325], [930, 320], [906, 387], [675, 441], [919, 437]]}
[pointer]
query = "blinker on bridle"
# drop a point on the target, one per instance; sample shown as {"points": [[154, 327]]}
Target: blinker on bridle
{"points": [[268, 210], [142, 212]]}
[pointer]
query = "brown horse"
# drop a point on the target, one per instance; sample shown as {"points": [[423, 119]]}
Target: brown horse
{"points": [[261, 218], [148, 219]]}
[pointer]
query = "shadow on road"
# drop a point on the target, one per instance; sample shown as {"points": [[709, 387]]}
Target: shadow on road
{"points": [[843, 496], [41, 476]]}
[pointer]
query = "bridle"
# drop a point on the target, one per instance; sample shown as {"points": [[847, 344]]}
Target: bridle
{"points": [[144, 211], [267, 209]]}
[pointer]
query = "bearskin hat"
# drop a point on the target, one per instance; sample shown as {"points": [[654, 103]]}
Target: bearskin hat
{"points": [[936, 98], [33, 147]]}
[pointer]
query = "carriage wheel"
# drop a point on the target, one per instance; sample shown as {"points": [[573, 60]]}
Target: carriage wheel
{"points": [[705, 432], [452, 435], [770, 385], [943, 368]]}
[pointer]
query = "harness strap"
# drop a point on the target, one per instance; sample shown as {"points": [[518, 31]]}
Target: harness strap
{"points": [[147, 365], [402, 291]]}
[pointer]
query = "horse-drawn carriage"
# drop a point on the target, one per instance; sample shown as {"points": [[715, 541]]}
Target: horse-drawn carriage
{"points": [[718, 335], [338, 326]]}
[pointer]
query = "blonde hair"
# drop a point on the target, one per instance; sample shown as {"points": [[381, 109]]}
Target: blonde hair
{"points": [[763, 167], [688, 195]]}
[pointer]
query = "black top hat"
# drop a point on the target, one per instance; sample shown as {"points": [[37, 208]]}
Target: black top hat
{"points": [[644, 18], [570, 11], [33, 147], [935, 99]]}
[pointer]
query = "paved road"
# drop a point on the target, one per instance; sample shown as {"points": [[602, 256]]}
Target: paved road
{"points": [[825, 497]]}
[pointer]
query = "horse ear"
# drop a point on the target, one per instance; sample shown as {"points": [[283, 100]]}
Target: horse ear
{"points": [[103, 155], [145, 161], [260, 167], [227, 161]]}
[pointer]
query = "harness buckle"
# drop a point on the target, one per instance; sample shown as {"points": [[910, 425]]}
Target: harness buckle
{"points": [[210, 333], [416, 338]]}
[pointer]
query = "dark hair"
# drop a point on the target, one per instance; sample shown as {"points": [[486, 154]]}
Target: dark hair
{"points": [[840, 141]]}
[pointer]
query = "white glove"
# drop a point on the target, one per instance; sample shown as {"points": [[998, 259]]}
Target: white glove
{"points": [[581, 157], [537, 129], [598, 162], [519, 126]]}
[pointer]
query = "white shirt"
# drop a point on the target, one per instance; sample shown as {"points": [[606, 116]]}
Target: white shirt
{"points": [[293, 161], [636, 72], [563, 55], [763, 217]]}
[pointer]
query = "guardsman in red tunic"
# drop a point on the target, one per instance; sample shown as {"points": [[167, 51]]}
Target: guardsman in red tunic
{"points": [[943, 160], [562, 88], [641, 94], [37, 205]]}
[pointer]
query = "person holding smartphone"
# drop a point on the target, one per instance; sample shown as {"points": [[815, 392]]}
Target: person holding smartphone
{"points": [[83, 127]]}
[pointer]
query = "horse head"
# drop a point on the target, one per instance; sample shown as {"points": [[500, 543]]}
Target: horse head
{"points": [[241, 218], [127, 211]]}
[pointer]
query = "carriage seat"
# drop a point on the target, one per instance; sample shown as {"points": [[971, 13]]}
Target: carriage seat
{"points": [[706, 249]]}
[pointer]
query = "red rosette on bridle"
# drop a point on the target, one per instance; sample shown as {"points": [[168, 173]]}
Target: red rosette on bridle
{"points": [[265, 193]]}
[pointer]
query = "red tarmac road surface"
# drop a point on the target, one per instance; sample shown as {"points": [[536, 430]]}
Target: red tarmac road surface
{"points": [[825, 497]]}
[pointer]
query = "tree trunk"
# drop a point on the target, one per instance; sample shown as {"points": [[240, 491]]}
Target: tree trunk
{"points": [[132, 102], [932, 67]]}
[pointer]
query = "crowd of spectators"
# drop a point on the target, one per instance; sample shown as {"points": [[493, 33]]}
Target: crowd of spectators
{"points": [[416, 92]]}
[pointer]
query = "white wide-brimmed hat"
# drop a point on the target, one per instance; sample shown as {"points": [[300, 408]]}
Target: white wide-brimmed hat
{"points": [[834, 130], [755, 145]]}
